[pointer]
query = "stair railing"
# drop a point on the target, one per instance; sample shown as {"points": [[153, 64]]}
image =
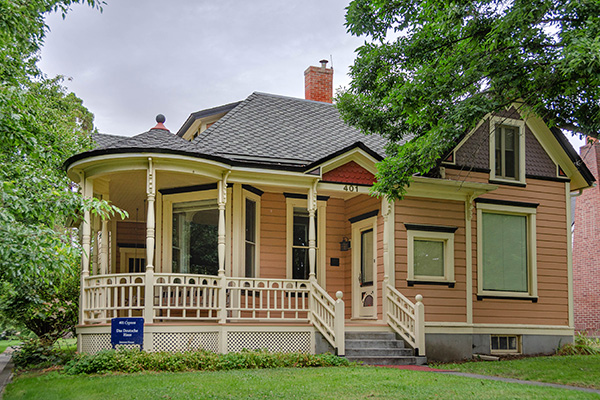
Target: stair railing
{"points": [[327, 315], [406, 318]]}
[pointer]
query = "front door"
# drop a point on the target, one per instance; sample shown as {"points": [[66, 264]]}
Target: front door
{"points": [[364, 266]]}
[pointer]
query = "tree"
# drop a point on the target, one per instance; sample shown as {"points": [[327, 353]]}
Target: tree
{"points": [[431, 70], [41, 125]]}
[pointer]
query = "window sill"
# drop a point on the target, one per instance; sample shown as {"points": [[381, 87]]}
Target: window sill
{"points": [[507, 296], [412, 282], [507, 182]]}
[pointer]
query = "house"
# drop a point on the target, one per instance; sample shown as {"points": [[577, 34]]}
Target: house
{"points": [[253, 227], [586, 250]]}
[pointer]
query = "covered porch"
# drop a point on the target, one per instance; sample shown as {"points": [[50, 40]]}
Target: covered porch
{"points": [[221, 258]]}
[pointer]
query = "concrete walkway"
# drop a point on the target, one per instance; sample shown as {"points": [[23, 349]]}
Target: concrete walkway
{"points": [[6, 369], [490, 378]]}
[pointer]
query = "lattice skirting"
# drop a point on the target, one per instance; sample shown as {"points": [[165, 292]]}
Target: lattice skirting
{"points": [[272, 341], [92, 344], [286, 340], [179, 342]]}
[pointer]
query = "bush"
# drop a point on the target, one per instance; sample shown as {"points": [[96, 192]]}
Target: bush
{"points": [[136, 361], [34, 353], [583, 345]]}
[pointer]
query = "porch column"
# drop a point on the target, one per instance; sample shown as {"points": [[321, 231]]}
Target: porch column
{"points": [[385, 212], [86, 230], [150, 224], [222, 202], [150, 220], [312, 236], [104, 249]]}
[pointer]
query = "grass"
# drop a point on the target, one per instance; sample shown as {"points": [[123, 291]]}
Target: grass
{"points": [[7, 343], [577, 370], [284, 383]]}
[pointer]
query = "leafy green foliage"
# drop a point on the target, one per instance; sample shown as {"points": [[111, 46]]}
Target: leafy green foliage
{"points": [[582, 345], [41, 125], [36, 354], [136, 361], [431, 70]]}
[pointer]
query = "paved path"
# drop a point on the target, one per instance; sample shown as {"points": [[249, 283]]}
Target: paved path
{"points": [[6, 369], [491, 378]]}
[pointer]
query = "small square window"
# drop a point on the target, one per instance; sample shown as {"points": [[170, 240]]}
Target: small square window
{"points": [[430, 253]]}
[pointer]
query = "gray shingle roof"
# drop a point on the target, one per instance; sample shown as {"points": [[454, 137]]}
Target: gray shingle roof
{"points": [[267, 128], [263, 129]]}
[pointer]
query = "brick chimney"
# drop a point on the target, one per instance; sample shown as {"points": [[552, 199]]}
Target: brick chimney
{"points": [[586, 249], [318, 83]]}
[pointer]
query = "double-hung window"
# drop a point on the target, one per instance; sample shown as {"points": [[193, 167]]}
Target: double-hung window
{"points": [[250, 237], [507, 149], [506, 250]]}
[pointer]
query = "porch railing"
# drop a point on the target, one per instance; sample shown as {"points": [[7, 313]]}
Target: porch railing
{"points": [[327, 315], [207, 298], [111, 296], [406, 318]]}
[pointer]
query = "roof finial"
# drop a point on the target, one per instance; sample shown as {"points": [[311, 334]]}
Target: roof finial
{"points": [[160, 119]]}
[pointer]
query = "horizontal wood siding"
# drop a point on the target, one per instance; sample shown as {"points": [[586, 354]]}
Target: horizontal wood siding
{"points": [[442, 304], [552, 264], [337, 229], [273, 236]]}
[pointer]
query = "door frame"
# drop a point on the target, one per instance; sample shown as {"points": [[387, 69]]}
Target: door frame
{"points": [[357, 229]]}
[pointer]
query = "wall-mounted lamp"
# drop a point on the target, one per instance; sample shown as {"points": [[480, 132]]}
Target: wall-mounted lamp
{"points": [[345, 244]]}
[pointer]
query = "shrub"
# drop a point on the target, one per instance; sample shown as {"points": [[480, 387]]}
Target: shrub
{"points": [[34, 353], [582, 345], [201, 360]]}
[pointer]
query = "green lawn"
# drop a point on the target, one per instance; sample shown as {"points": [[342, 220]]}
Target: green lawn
{"points": [[581, 371], [308, 383], [6, 343]]}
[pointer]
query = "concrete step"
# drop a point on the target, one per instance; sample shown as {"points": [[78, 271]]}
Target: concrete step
{"points": [[385, 360], [370, 336], [367, 352], [370, 344]]}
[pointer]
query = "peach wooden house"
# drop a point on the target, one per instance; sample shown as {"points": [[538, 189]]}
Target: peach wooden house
{"points": [[253, 227]]}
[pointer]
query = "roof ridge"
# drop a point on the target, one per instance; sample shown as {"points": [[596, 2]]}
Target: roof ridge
{"points": [[222, 120], [324, 103]]}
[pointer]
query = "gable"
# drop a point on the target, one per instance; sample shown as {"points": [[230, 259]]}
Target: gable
{"points": [[474, 151], [351, 172]]}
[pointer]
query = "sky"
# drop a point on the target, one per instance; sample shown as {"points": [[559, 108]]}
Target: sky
{"points": [[139, 58]]}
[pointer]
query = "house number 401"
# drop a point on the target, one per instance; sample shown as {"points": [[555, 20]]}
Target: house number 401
{"points": [[351, 188]]}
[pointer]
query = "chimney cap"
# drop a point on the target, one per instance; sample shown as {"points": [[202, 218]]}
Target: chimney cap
{"points": [[324, 63]]}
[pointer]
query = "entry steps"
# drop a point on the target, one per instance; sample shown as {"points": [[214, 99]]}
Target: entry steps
{"points": [[380, 348]]}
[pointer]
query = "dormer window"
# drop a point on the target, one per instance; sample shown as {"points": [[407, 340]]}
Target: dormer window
{"points": [[507, 150]]}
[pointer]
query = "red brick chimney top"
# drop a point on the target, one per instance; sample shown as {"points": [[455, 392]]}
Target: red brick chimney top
{"points": [[318, 83]]}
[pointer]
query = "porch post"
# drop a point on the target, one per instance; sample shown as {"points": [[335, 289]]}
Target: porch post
{"points": [[222, 202], [86, 230], [104, 249], [312, 236], [150, 231], [385, 211]]}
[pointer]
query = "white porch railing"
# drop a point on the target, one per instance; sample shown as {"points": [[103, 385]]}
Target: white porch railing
{"points": [[328, 316], [112, 296], [406, 318], [199, 298]]}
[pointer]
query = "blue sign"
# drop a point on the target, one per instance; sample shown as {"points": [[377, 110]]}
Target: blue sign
{"points": [[127, 331]]}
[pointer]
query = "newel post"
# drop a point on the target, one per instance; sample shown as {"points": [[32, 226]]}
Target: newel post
{"points": [[150, 232], [338, 324], [419, 325]]}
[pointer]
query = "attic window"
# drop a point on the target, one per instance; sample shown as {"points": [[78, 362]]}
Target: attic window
{"points": [[507, 150]]}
